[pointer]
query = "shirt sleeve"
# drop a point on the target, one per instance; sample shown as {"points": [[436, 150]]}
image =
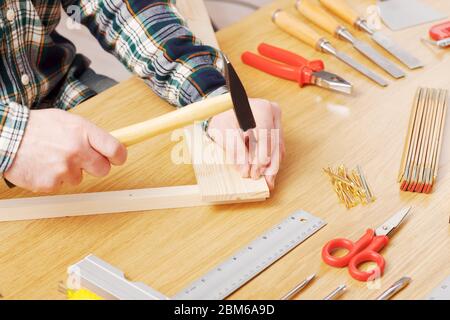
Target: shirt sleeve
{"points": [[13, 121], [151, 39]]}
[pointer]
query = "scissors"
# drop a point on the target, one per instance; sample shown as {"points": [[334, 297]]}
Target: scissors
{"points": [[365, 249], [295, 68]]}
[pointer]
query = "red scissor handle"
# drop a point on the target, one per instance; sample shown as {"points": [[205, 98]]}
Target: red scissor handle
{"points": [[440, 31], [350, 246], [364, 250], [293, 67], [369, 255]]}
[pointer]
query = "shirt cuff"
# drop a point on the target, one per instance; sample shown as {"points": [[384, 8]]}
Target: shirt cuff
{"points": [[214, 93], [13, 121]]}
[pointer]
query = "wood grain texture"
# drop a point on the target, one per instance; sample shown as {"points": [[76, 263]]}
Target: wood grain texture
{"points": [[342, 9], [218, 180], [316, 14], [293, 26], [100, 203], [321, 129], [195, 112]]}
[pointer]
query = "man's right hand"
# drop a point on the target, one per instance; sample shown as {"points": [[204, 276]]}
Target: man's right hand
{"points": [[57, 147]]}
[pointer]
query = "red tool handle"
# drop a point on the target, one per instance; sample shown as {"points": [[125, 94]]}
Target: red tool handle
{"points": [[350, 246], [370, 254], [288, 57], [440, 31], [364, 250], [293, 67], [277, 69], [301, 75]]}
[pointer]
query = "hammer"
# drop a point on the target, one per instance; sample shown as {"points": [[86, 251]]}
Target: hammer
{"points": [[236, 99]]}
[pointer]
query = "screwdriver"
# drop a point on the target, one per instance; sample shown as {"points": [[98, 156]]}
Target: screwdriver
{"points": [[301, 31]]}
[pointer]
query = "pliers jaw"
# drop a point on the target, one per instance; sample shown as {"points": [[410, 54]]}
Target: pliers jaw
{"points": [[288, 65], [331, 81]]}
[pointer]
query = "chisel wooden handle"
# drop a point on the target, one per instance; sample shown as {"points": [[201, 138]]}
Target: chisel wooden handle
{"points": [[296, 28], [173, 120], [318, 16], [342, 9]]}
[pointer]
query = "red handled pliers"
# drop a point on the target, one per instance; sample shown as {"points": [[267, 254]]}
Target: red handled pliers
{"points": [[295, 68]]}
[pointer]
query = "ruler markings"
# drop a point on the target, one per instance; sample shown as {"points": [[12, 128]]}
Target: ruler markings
{"points": [[245, 264]]}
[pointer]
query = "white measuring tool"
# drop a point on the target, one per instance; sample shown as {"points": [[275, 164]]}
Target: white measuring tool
{"points": [[253, 258], [442, 292], [109, 282]]}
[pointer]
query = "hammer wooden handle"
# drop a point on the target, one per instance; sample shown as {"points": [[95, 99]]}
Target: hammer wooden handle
{"points": [[296, 28], [342, 9], [318, 16], [173, 120]]}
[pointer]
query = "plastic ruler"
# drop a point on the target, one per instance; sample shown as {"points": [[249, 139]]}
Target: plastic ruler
{"points": [[442, 292], [253, 258]]}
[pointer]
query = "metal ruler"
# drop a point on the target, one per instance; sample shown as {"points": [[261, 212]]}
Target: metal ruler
{"points": [[442, 292], [253, 258]]}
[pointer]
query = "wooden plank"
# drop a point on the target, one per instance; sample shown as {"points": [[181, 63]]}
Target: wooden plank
{"points": [[100, 203], [321, 128], [218, 181]]}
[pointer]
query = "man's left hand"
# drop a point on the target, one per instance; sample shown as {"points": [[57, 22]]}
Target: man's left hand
{"points": [[252, 158]]}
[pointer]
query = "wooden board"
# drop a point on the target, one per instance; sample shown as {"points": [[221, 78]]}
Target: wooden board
{"points": [[321, 128], [218, 180]]}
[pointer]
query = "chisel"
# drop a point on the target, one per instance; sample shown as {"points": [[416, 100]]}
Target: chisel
{"points": [[327, 22], [343, 10], [301, 31]]}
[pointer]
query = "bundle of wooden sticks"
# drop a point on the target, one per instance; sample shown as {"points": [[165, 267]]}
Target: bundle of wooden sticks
{"points": [[420, 161]]}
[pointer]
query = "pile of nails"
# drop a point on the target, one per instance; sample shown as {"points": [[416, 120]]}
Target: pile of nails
{"points": [[350, 186]]}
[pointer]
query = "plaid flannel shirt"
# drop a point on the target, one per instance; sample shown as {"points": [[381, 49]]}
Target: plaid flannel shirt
{"points": [[39, 68]]}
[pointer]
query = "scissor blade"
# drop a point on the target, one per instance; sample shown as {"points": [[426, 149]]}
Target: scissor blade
{"points": [[390, 225]]}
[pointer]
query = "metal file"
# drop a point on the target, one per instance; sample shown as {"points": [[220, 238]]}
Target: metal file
{"points": [[324, 20], [378, 59], [402, 55], [362, 69], [342, 9], [253, 258], [370, 53], [303, 32]]}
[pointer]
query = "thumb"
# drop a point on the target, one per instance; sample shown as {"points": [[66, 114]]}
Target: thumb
{"points": [[108, 146]]}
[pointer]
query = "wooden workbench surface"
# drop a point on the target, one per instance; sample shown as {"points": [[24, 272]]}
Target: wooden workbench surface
{"points": [[167, 249]]}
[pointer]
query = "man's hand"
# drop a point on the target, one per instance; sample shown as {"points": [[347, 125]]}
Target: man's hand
{"points": [[252, 159], [57, 147]]}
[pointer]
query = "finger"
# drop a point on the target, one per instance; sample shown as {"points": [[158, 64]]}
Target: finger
{"points": [[96, 164], [75, 177], [264, 149], [277, 123], [252, 143], [278, 149], [107, 145], [241, 157], [232, 141], [270, 180], [48, 184]]}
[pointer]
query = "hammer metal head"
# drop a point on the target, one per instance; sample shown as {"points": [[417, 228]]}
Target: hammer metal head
{"points": [[241, 105]]}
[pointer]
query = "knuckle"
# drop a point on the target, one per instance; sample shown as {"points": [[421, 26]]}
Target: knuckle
{"points": [[103, 169]]}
